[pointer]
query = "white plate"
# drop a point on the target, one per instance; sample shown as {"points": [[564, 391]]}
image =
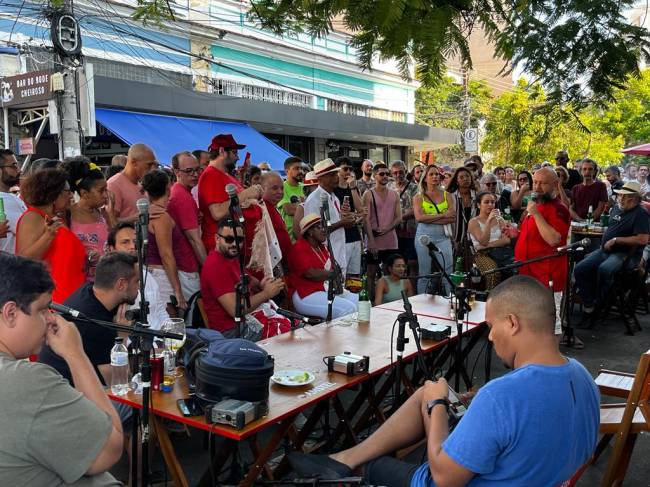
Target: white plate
{"points": [[283, 377]]}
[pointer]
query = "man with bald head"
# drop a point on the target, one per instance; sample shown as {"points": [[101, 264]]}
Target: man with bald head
{"points": [[125, 185], [535, 425], [543, 230], [273, 187]]}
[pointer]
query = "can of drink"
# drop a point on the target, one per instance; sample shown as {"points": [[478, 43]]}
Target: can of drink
{"points": [[157, 366]]}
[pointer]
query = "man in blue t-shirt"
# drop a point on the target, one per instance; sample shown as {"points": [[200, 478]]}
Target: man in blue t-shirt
{"points": [[534, 426], [625, 238]]}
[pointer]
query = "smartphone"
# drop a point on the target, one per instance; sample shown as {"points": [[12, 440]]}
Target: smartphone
{"points": [[189, 407], [456, 407]]}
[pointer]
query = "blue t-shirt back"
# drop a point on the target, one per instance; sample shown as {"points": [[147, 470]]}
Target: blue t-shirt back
{"points": [[534, 426]]}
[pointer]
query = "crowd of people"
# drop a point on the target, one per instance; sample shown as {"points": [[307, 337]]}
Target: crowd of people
{"points": [[73, 230], [391, 225]]}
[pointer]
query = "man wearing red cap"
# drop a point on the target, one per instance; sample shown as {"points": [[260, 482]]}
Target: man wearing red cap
{"points": [[213, 198]]}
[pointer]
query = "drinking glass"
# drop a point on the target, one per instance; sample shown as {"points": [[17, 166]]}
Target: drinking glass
{"points": [[174, 325]]}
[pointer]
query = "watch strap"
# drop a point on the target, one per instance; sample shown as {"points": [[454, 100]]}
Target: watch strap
{"points": [[435, 402]]}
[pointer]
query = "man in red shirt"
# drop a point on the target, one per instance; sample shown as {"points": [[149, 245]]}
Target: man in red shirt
{"points": [[543, 230], [182, 207], [588, 193], [219, 277], [273, 192], [213, 198]]}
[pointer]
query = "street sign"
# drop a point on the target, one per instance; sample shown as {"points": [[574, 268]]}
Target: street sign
{"points": [[24, 89], [471, 140]]}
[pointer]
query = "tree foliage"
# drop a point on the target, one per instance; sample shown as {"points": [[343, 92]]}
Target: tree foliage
{"points": [[443, 105], [523, 130]]}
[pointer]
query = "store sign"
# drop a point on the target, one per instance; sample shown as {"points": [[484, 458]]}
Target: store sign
{"points": [[24, 89], [25, 146]]}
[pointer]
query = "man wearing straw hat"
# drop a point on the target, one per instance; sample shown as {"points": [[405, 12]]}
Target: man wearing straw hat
{"points": [[327, 174]]}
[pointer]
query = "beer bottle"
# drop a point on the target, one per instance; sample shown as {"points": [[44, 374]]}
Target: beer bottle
{"points": [[506, 215], [3, 217], [363, 315], [590, 216], [459, 265]]}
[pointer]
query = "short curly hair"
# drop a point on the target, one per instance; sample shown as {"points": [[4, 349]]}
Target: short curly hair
{"points": [[43, 187]]}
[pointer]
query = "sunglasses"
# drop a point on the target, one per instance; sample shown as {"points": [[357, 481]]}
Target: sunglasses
{"points": [[13, 165], [525, 180], [493, 183], [383, 174], [231, 238], [195, 170], [346, 168]]}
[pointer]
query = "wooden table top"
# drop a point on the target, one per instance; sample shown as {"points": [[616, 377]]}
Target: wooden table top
{"points": [[304, 349], [438, 307]]}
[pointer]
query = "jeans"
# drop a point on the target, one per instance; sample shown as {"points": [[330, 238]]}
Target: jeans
{"points": [[445, 257], [595, 273]]}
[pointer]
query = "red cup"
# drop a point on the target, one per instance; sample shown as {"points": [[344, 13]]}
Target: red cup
{"points": [[156, 371]]}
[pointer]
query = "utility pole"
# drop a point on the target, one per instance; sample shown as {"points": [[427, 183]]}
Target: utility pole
{"points": [[467, 112], [66, 37]]}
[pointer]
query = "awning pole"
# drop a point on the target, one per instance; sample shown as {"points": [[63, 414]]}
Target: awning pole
{"points": [[5, 116]]}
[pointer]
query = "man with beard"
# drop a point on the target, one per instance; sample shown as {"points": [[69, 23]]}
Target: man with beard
{"points": [[214, 201], [499, 440], [366, 182], [589, 193], [293, 191], [115, 288], [220, 275], [406, 229], [543, 230], [14, 206]]}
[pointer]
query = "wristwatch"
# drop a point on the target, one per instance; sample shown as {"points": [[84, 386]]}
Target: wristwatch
{"points": [[435, 402]]}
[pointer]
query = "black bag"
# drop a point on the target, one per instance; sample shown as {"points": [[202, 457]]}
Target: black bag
{"points": [[196, 340], [233, 368]]}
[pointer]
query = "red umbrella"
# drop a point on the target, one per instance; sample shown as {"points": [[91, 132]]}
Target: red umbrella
{"points": [[638, 150]]}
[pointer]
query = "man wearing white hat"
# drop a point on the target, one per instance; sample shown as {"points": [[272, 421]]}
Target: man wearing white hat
{"points": [[327, 174], [629, 227]]}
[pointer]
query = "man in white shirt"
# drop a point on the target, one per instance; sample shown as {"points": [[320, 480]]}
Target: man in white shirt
{"points": [[13, 205], [328, 179]]}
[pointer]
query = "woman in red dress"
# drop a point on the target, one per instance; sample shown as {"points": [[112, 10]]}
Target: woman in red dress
{"points": [[42, 233]]}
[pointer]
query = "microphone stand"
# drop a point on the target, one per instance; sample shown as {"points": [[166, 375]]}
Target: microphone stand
{"points": [[437, 270], [335, 274], [410, 318], [242, 289], [143, 342]]}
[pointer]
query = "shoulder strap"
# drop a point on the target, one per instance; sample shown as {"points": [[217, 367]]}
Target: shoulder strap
{"points": [[433, 202], [374, 205]]}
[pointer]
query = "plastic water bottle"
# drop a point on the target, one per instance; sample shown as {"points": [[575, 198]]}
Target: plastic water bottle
{"points": [[119, 368], [363, 315]]}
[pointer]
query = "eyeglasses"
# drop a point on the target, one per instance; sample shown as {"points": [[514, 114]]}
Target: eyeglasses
{"points": [[231, 238], [493, 183], [190, 170], [383, 174], [346, 168], [525, 180], [13, 166], [398, 173]]}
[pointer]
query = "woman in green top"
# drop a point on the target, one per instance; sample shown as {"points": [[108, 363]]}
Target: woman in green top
{"points": [[389, 288]]}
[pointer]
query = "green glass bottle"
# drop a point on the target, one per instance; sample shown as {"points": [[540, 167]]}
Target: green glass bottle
{"points": [[506, 214], [590, 217], [363, 315]]}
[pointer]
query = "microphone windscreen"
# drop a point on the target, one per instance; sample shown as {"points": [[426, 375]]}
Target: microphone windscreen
{"points": [[424, 240], [143, 206], [231, 189]]}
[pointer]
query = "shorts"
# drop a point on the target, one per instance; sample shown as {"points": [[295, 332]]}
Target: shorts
{"points": [[126, 416], [190, 283], [353, 255], [389, 472], [407, 247], [382, 256]]}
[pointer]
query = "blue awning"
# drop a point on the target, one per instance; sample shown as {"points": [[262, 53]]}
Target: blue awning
{"points": [[167, 135]]}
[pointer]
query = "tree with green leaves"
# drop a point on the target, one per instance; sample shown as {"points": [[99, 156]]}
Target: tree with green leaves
{"points": [[580, 51], [522, 129]]}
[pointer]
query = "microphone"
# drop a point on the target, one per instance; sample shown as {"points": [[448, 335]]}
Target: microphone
{"points": [[580, 243], [65, 310], [295, 316], [231, 189], [143, 218], [426, 241], [325, 206], [534, 195]]}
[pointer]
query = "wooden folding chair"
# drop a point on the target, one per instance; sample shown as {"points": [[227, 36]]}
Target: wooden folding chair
{"points": [[625, 421]]}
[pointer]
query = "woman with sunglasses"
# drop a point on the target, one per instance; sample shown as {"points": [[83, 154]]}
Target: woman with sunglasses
{"points": [[434, 208], [164, 235], [92, 215], [520, 197], [42, 232]]}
